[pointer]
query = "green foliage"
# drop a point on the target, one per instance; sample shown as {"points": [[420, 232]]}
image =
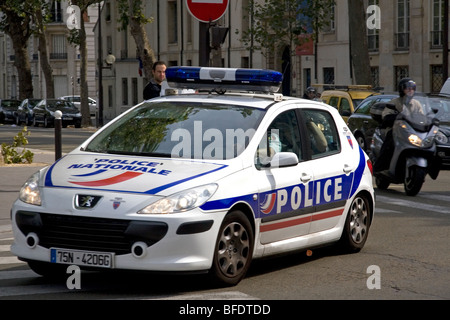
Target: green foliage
{"points": [[10, 153], [275, 23], [131, 10]]}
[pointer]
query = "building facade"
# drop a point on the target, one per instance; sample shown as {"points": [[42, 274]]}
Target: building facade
{"points": [[64, 58], [405, 39]]}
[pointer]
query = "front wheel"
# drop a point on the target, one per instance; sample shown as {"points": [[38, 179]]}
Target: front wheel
{"points": [[357, 224], [234, 249], [414, 180]]}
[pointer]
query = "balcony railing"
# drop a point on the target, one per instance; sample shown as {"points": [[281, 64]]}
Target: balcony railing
{"points": [[58, 56]]}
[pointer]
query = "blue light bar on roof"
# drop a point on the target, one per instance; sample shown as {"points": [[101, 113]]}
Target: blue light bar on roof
{"points": [[222, 79]]}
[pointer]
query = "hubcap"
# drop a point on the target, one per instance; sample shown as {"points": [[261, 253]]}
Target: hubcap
{"points": [[233, 250], [358, 220]]}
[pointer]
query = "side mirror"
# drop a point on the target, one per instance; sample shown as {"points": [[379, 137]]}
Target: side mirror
{"points": [[284, 159]]}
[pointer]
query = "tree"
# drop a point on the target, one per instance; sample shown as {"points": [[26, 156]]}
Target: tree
{"points": [[15, 22], [40, 18], [78, 37], [131, 14], [277, 24], [359, 50]]}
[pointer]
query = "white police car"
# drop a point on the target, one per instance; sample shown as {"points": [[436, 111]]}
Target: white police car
{"points": [[200, 182]]}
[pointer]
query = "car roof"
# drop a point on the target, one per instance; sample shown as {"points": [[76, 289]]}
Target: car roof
{"points": [[253, 100]]}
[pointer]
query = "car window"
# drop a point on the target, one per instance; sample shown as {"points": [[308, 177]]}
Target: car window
{"points": [[333, 101], [281, 136], [345, 106], [322, 133], [181, 130], [364, 108]]}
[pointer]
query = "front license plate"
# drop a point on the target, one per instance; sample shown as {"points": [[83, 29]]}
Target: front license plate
{"points": [[68, 118], [82, 258]]}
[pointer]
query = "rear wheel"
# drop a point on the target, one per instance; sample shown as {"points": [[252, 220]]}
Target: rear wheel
{"points": [[357, 225], [234, 249], [414, 180]]}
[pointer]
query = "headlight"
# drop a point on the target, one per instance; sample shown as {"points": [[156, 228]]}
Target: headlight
{"points": [[415, 140], [441, 138], [181, 201], [29, 193]]}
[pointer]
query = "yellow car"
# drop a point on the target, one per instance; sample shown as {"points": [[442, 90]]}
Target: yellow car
{"points": [[346, 98]]}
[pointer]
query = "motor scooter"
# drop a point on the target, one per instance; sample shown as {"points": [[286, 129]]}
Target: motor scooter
{"points": [[414, 154]]}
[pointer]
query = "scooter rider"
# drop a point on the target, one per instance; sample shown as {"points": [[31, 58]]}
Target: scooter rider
{"points": [[406, 90]]}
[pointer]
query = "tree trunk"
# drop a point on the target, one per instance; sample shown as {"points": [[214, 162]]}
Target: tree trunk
{"points": [[43, 59], [18, 30], [359, 51], [144, 49], [84, 92]]}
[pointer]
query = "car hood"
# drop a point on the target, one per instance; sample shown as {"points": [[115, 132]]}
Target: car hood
{"points": [[131, 174]]}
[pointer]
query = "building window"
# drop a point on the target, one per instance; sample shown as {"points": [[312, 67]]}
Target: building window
{"points": [[134, 89], [373, 34], [124, 91], [437, 23], [56, 14], [172, 22], [59, 47], [400, 73], [375, 72], [328, 75], [330, 27], [437, 78], [402, 35]]}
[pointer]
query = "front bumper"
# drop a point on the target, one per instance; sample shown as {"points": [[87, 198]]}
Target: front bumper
{"points": [[443, 152], [182, 242]]}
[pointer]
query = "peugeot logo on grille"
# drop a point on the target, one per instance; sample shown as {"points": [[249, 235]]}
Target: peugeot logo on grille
{"points": [[84, 201]]}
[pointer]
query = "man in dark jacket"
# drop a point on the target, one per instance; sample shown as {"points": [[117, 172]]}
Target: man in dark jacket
{"points": [[153, 88]]}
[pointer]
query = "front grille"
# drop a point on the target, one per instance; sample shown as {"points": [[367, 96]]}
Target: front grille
{"points": [[92, 234]]}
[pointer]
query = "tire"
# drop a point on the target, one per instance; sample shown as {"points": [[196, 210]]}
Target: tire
{"points": [[381, 182], [233, 250], [357, 225], [47, 269], [414, 183], [361, 141]]}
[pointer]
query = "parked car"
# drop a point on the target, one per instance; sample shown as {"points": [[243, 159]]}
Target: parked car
{"points": [[346, 98], [361, 123], [8, 108], [441, 106], [201, 182], [44, 112], [76, 100], [25, 111]]}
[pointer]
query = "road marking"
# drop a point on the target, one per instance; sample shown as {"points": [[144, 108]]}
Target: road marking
{"points": [[413, 204]]}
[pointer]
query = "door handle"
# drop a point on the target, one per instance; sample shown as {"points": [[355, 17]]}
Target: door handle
{"points": [[347, 169], [305, 177]]}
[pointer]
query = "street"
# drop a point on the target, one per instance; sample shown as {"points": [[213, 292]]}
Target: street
{"points": [[406, 257]]}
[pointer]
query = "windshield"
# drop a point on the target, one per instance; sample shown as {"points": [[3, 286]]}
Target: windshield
{"points": [[440, 106], [180, 130], [419, 111], [62, 105], [10, 104]]}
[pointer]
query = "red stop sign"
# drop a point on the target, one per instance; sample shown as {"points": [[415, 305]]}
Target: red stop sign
{"points": [[207, 10]]}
